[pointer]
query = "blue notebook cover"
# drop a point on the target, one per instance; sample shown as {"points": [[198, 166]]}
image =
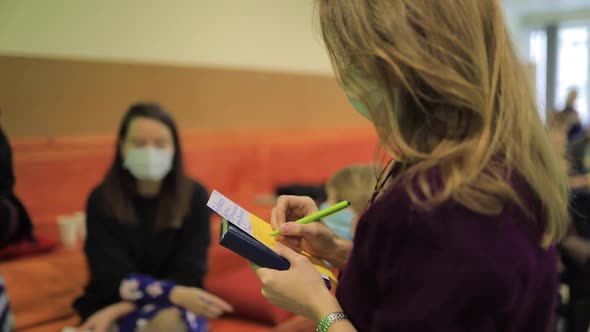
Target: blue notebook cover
{"points": [[242, 243]]}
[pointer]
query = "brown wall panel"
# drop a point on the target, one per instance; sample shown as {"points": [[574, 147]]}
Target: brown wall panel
{"points": [[49, 97]]}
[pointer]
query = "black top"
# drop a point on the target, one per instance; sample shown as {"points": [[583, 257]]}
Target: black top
{"points": [[6, 171], [15, 223], [115, 250]]}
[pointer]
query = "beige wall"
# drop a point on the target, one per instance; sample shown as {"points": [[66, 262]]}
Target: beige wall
{"points": [[72, 67], [214, 63], [41, 97], [276, 35]]}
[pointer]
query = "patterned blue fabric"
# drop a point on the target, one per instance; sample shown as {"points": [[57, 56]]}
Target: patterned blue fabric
{"points": [[152, 296], [143, 290], [6, 319]]}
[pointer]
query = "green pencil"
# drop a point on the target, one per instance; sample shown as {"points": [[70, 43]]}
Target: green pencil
{"points": [[319, 215]]}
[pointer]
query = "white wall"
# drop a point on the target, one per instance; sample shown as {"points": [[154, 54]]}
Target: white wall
{"points": [[519, 34], [524, 15], [253, 34]]}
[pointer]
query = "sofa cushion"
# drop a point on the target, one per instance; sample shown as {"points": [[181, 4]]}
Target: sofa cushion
{"points": [[241, 288], [42, 288], [232, 324], [26, 248]]}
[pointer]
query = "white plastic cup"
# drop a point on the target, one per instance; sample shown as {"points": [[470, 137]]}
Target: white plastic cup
{"points": [[68, 329], [68, 231], [80, 218]]}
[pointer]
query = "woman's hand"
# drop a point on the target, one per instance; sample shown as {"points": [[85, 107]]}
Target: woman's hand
{"points": [[199, 302], [315, 238], [301, 289], [104, 319]]}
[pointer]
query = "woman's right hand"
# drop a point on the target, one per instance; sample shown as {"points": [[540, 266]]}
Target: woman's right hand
{"points": [[315, 238], [199, 302], [104, 319]]}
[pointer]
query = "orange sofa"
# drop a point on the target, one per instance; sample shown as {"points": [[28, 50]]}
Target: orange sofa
{"points": [[55, 175]]}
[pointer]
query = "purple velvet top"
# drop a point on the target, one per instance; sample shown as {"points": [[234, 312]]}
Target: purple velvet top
{"points": [[449, 269]]}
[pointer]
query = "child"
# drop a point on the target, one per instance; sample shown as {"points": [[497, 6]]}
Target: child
{"points": [[355, 184]]}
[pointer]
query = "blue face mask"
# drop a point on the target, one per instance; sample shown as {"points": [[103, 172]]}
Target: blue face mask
{"points": [[340, 222], [375, 98], [359, 107]]}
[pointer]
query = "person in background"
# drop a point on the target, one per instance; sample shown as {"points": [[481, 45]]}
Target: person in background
{"points": [[575, 247], [9, 222], [573, 155], [148, 236], [355, 184], [578, 150], [574, 124], [557, 127], [15, 223], [460, 234], [578, 153]]}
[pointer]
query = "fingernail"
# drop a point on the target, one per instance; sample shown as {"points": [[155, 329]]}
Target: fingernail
{"points": [[285, 228]]}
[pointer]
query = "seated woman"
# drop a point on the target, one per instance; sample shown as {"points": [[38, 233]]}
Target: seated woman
{"points": [[148, 235]]}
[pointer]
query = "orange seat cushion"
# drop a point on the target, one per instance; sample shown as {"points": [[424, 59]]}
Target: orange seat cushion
{"points": [[41, 289]]}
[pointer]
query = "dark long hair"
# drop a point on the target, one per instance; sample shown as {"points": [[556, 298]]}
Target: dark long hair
{"points": [[119, 186]]}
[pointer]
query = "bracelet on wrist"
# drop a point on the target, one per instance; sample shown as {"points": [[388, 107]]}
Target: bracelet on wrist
{"points": [[330, 319]]}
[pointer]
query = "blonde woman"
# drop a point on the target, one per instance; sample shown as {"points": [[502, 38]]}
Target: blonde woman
{"points": [[460, 235], [355, 184]]}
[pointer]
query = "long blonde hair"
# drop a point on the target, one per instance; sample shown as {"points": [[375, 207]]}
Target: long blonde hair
{"points": [[444, 88]]}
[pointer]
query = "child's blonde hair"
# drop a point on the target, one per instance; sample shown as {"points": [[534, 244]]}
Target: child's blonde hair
{"points": [[445, 88], [355, 184]]}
